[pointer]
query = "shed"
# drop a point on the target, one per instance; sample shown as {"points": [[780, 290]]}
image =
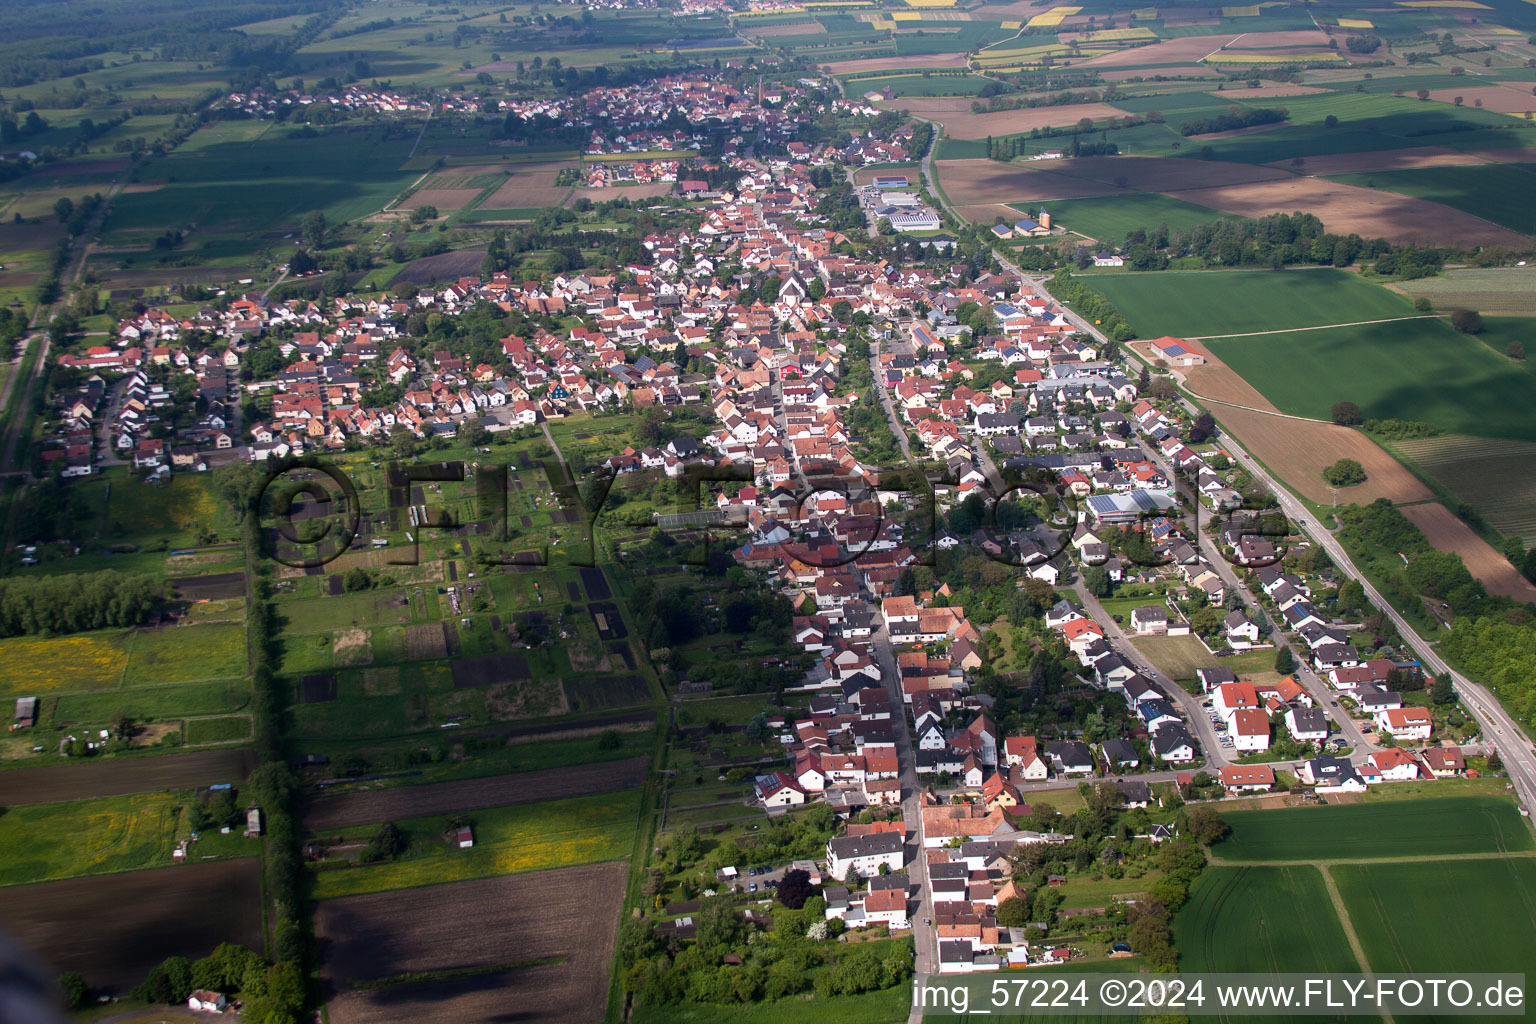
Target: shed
{"points": [[466, 837]]}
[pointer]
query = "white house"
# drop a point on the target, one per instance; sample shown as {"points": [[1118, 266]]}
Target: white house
{"points": [[779, 790], [1307, 725], [1411, 724], [211, 1002], [864, 854], [1250, 730]]}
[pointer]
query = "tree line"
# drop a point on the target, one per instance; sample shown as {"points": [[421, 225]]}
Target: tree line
{"points": [[76, 602]]}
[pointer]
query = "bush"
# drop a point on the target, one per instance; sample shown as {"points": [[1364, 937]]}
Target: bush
{"points": [[1467, 321], [1345, 473], [73, 989], [1346, 413]]}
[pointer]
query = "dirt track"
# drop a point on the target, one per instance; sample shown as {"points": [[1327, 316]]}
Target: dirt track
{"points": [[333, 812], [114, 928], [123, 776], [570, 913]]}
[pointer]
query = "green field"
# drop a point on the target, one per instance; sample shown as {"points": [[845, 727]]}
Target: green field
{"points": [[1498, 193], [1110, 218], [1261, 920], [223, 729], [185, 654], [508, 840], [1417, 369], [1498, 478], [1215, 303], [1420, 828], [87, 837], [1490, 927], [1489, 290]]}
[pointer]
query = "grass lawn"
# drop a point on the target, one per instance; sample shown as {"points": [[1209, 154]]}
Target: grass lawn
{"points": [[87, 837], [1261, 920], [1494, 192], [1413, 369], [185, 654], [1491, 926], [508, 840], [1420, 828], [1211, 303], [218, 730], [1110, 218], [1177, 657], [1085, 892]]}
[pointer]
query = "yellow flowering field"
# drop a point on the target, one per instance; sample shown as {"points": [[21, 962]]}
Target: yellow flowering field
{"points": [[37, 665], [39, 842], [1053, 17]]}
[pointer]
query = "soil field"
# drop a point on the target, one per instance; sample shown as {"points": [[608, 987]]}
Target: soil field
{"points": [[530, 186], [443, 198], [1348, 209], [333, 812], [123, 777], [982, 182], [1387, 160], [1506, 99], [1185, 50], [1186, 71], [966, 125], [448, 266], [1448, 533], [1498, 478], [937, 60], [1299, 450], [136, 919], [571, 914], [1164, 174]]}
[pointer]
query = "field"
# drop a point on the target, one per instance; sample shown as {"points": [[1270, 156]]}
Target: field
{"points": [[1201, 305], [1491, 929], [1110, 218], [1423, 828], [546, 917], [1261, 920], [123, 777], [1349, 208], [966, 125], [1498, 478], [44, 842], [508, 840], [334, 812], [1177, 657], [138, 919], [1492, 192], [1489, 290], [1417, 369], [34, 666], [1449, 533], [185, 654], [974, 181], [530, 186], [222, 729]]}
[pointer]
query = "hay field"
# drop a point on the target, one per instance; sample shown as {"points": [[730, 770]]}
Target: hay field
{"points": [[1498, 478], [1447, 533], [1350, 209]]}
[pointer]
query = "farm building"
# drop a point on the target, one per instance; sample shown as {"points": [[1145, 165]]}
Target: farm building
{"points": [[465, 837], [212, 1002], [1173, 350], [252, 822], [1002, 230], [883, 181], [26, 713]]}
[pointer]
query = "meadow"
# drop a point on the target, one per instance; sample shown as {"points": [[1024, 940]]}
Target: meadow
{"points": [[1109, 219], [1419, 369], [1430, 827], [40, 842], [1215, 303], [1495, 192], [508, 840]]}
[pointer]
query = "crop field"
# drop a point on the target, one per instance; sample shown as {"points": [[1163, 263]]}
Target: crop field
{"points": [[966, 125], [123, 777], [1494, 192], [137, 919], [1110, 218], [1261, 919], [43, 842], [1201, 305], [344, 810], [1429, 827], [185, 654], [1490, 290], [508, 840], [530, 186], [1417, 369], [86, 661], [1498, 478], [1492, 929], [545, 920]]}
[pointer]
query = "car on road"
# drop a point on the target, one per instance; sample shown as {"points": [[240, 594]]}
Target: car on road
{"points": [[752, 887]]}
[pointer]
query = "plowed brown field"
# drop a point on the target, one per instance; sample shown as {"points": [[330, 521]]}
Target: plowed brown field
{"points": [[122, 777], [1448, 533]]}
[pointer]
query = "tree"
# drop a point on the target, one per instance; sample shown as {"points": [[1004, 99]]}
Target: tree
{"points": [[402, 442], [1347, 413], [1285, 661], [1442, 691], [473, 433], [1096, 580], [312, 229], [1495, 762], [1144, 381], [1204, 825], [884, 227], [1467, 321], [357, 579], [387, 844], [1331, 121], [1422, 304], [72, 986], [1013, 912], [1203, 427], [795, 888], [1515, 350], [720, 925], [1345, 473], [64, 209]]}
